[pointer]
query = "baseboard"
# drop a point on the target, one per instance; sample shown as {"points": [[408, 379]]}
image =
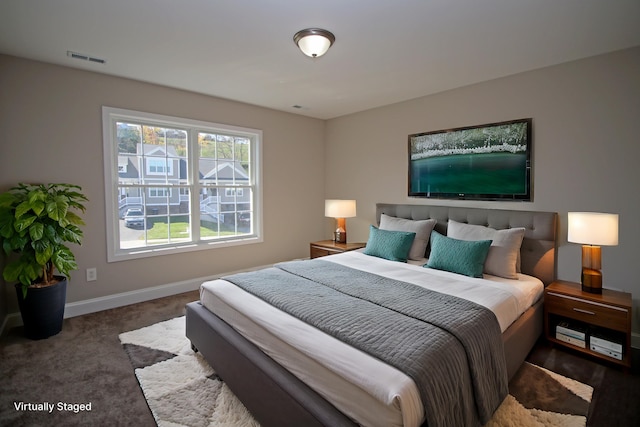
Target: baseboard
{"points": [[11, 320], [94, 305]]}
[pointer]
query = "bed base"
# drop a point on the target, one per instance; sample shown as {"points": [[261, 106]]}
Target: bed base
{"points": [[275, 397]]}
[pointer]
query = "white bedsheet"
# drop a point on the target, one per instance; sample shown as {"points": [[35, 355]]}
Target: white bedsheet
{"points": [[364, 388]]}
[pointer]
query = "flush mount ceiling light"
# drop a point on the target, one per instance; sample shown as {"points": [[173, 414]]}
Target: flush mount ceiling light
{"points": [[314, 42]]}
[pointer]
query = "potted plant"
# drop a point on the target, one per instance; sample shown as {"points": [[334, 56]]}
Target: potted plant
{"points": [[36, 220]]}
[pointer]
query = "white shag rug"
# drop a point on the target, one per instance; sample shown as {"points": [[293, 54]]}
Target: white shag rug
{"points": [[182, 390]]}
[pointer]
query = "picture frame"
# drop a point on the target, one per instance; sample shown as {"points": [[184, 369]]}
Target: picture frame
{"points": [[484, 162]]}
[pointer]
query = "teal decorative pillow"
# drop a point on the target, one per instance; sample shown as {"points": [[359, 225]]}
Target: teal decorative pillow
{"points": [[391, 245], [504, 254], [458, 256]]}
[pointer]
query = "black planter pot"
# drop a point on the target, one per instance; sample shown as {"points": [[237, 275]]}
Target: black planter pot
{"points": [[43, 309]]}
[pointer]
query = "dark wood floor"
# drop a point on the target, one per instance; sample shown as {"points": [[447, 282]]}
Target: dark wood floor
{"points": [[616, 396]]}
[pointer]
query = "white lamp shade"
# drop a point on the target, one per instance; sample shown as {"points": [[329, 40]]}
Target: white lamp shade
{"points": [[340, 208], [593, 228]]}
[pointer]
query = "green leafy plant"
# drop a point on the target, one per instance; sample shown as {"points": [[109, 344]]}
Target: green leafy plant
{"points": [[36, 220]]}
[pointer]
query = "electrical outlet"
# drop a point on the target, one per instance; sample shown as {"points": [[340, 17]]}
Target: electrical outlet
{"points": [[92, 274]]}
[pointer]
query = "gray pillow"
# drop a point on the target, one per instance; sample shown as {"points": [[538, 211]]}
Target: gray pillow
{"points": [[505, 247], [422, 228]]}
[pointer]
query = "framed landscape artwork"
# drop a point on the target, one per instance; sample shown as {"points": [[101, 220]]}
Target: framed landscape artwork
{"points": [[487, 162]]}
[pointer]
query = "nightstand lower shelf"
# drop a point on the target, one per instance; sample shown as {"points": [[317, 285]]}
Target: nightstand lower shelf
{"points": [[610, 353]]}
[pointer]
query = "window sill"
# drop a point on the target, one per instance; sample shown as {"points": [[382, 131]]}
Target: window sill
{"points": [[148, 252]]}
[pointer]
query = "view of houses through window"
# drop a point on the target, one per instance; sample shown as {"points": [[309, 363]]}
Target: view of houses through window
{"points": [[170, 178]]}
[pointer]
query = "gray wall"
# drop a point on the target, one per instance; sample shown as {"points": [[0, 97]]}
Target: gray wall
{"points": [[586, 149], [51, 131], [585, 153]]}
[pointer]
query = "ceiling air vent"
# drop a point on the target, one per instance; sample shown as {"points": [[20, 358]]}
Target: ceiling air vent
{"points": [[84, 57]]}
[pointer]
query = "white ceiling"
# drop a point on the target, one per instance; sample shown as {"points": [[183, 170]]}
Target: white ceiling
{"points": [[385, 51]]}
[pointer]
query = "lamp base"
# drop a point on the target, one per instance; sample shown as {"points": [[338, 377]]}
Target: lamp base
{"points": [[591, 281], [340, 236]]}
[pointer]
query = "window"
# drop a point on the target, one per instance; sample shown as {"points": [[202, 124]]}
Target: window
{"points": [[230, 192], [164, 178], [159, 166], [159, 192]]}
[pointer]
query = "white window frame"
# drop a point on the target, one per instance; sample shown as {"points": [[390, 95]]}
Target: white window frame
{"points": [[110, 116]]}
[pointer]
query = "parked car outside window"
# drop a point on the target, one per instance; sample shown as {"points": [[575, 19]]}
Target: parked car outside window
{"points": [[134, 218], [244, 218]]}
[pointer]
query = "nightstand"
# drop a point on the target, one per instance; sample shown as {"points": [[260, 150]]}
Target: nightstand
{"points": [[595, 324], [329, 247]]}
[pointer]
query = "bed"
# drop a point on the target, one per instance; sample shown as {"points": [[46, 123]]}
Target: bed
{"points": [[255, 370]]}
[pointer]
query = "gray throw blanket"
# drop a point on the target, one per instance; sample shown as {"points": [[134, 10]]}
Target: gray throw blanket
{"points": [[452, 348]]}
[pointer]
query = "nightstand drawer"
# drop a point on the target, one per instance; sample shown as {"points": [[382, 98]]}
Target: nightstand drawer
{"points": [[329, 247], [317, 252], [595, 313]]}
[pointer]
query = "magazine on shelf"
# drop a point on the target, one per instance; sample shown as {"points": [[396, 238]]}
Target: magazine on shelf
{"points": [[571, 340], [606, 343], [606, 351], [574, 331]]}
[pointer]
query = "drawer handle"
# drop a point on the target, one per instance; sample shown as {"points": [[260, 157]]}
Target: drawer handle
{"points": [[584, 311]]}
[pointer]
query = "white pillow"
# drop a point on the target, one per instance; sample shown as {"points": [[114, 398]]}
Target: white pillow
{"points": [[505, 247], [422, 228]]}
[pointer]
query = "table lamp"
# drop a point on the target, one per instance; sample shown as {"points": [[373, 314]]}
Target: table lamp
{"points": [[592, 230], [340, 209]]}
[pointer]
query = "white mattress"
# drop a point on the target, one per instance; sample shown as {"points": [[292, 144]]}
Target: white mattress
{"points": [[364, 388]]}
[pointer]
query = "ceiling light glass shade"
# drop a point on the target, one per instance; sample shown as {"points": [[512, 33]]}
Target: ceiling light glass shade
{"points": [[592, 228], [340, 208], [314, 42]]}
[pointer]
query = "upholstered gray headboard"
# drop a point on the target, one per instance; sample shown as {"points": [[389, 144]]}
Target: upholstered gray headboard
{"points": [[538, 251]]}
